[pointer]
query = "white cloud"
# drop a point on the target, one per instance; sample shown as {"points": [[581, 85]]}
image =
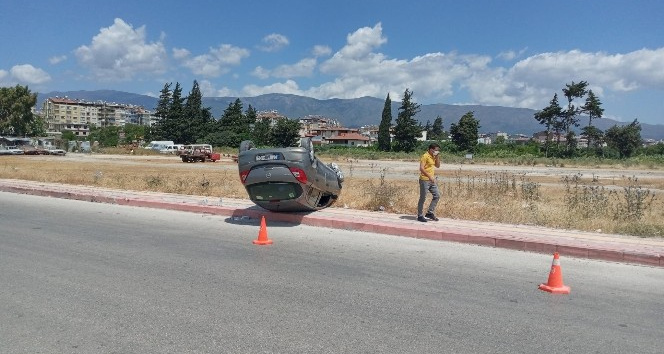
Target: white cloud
{"points": [[620, 72], [206, 87], [363, 71], [215, 63], [57, 59], [28, 74], [321, 51], [508, 55], [120, 52], [360, 69], [273, 42], [208, 90], [511, 55], [303, 68], [362, 42], [261, 73], [358, 51], [531, 82], [4, 75], [180, 54], [289, 87]]}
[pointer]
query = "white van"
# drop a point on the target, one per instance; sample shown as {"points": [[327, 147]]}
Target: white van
{"points": [[159, 144], [172, 149]]}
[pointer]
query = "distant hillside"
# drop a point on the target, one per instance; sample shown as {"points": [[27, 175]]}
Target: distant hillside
{"points": [[360, 111], [102, 95]]}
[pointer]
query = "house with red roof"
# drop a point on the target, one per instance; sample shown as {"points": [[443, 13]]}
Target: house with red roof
{"points": [[349, 139]]}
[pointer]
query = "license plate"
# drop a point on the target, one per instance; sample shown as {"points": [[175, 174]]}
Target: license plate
{"points": [[268, 157]]}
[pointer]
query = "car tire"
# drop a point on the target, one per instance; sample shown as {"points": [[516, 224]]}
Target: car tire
{"points": [[309, 146], [246, 145]]}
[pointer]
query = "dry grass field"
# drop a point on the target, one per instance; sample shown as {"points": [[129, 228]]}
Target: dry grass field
{"points": [[625, 201]]}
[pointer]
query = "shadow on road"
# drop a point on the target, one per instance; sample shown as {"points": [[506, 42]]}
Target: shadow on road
{"points": [[408, 217], [253, 215]]}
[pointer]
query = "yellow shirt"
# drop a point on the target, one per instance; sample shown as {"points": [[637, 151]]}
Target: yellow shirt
{"points": [[429, 165]]}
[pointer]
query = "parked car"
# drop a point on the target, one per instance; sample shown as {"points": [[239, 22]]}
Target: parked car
{"points": [[174, 149], [288, 179], [36, 151], [159, 144], [198, 153], [55, 151], [15, 150]]}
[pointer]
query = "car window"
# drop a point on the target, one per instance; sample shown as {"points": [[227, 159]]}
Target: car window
{"points": [[274, 191]]}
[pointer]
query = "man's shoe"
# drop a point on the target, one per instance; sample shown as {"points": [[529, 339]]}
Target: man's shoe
{"points": [[431, 216], [421, 218]]}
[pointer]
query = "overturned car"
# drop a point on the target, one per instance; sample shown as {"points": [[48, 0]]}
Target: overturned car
{"points": [[288, 179]]}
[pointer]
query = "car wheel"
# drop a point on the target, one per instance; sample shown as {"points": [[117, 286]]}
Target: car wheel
{"points": [[246, 145], [337, 170], [309, 146]]}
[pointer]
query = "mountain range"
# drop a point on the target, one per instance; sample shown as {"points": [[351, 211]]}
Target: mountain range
{"points": [[362, 111]]}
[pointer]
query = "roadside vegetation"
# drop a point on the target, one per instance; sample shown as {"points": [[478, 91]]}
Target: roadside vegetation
{"points": [[625, 205]]}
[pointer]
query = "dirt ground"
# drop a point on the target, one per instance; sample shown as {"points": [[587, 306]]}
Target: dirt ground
{"points": [[390, 169], [534, 195]]}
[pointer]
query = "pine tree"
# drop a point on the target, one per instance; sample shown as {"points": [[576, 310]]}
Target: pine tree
{"points": [[196, 119], [593, 108], [260, 134], [427, 129], [625, 139], [437, 132], [407, 129], [250, 117], [161, 127], [549, 117], [384, 140], [164, 103], [286, 133], [232, 118], [174, 120], [572, 91], [16, 115], [234, 125], [464, 134]]}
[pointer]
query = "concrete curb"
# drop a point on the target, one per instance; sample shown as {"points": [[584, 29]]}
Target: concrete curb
{"points": [[515, 239]]}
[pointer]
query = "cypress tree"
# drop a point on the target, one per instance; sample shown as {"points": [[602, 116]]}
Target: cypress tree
{"points": [[407, 129], [384, 140], [158, 130]]}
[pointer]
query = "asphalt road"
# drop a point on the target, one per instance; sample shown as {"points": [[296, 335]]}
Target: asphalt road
{"points": [[79, 277]]}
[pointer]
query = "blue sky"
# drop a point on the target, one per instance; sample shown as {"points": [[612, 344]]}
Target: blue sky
{"points": [[514, 53]]}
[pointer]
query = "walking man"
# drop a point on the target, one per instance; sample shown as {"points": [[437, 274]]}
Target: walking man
{"points": [[428, 162]]}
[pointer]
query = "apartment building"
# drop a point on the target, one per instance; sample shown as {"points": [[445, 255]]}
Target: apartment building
{"points": [[272, 116], [63, 113]]}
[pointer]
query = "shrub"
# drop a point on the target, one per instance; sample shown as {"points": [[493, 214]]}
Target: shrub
{"points": [[635, 203], [384, 196]]}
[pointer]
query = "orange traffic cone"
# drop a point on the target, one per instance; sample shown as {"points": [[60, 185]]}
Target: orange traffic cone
{"points": [[262, 235], [555, 283]]}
